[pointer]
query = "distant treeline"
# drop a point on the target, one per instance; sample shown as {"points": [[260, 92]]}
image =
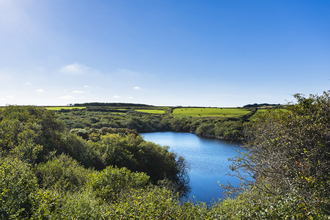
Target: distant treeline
{"points": [[110, 104], [256, 105], [99, 117]]}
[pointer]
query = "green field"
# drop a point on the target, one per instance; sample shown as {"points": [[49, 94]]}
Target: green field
{"points": [[262, 111], [210, 112], [65, 107], [151, 111]]}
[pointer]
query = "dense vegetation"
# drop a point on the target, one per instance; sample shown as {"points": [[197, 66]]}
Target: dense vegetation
{"points": [[228, 123], [110, 172], [40, 160]]}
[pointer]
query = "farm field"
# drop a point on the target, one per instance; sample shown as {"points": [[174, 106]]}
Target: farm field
{"points": [[210, 112], [262, 111], [64, 107], [151, 111]]}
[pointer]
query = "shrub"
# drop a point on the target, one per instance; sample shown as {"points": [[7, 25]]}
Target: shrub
{"points": [[62, 174], [288, 151], [110, 183], [17, 184]]}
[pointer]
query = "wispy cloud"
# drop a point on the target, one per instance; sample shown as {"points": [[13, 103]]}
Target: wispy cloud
{"points": [[117, 97], [40, 90], [130, 98], [78, 92], [66, 97], [136, 87], [86, 86], [28, 83], [2, 99], [75, 68], [10, 96]]}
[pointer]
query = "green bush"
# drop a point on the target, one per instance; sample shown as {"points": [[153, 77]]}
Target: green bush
{"points": [[288, 152], [17, 185], [111, 183], [82, 205], [80, 150], [155, 203], [133, 152], [205, 129], [62, 174]]}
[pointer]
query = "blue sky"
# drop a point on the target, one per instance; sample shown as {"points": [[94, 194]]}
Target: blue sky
{"points": [[221, 53]]}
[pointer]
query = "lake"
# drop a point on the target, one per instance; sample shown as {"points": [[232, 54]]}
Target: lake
{"points": [[208, 160]]}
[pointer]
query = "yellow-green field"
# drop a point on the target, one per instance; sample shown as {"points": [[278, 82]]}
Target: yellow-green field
{"points": [[262, 111], [152, 111], [210, 112], [65, 107]]}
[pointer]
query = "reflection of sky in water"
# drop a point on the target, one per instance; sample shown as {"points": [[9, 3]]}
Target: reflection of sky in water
{"points": [[208, 160]]}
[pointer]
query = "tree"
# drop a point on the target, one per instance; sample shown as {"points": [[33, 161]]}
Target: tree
{"points": [[288, 151]]}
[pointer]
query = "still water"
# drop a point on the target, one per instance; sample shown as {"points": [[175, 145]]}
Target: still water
{"points": [[208, 160]]}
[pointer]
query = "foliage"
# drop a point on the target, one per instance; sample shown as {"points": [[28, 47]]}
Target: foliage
{"points": [[29, 133], [133, 152], [98, 117], [289, 151], [260, 105], [17, 184], [111, 183], [61, 173], [205, 129], [34, 135], [80, 132], [229, 129], [156, 203], [47, 172], [255, 204]]}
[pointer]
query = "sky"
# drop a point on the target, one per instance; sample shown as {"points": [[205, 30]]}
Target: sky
{"points": [[219, 53]]}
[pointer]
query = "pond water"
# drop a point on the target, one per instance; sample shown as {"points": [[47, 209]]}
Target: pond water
{"points": [[208, 160]]}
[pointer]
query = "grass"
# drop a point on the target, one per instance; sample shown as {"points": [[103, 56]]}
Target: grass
{"points": [[210, 112], [151, 111], [262, 111], [66, 107]]}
